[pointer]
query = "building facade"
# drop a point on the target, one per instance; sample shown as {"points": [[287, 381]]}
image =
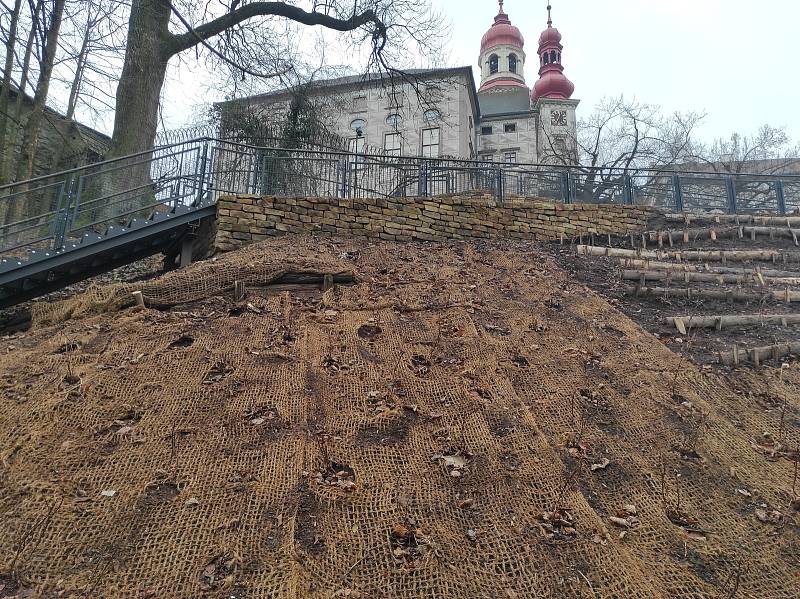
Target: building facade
{"points": [[442, 113]]}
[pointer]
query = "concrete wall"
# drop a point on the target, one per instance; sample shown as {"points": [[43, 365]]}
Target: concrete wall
{"points": [[245, 219]]}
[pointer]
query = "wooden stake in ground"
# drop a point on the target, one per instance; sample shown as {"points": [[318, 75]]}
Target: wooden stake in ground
{"points": [[139, 299], [238, 291]]}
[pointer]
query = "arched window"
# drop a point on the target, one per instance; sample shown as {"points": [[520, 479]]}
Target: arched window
{"points": [[559, 58], [546, 58], [494, 64], [358, 126], [553, 56], [394, 120], [512, 63]]}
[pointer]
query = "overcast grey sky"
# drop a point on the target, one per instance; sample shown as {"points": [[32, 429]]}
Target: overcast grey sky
{"points": [[736, 60]]}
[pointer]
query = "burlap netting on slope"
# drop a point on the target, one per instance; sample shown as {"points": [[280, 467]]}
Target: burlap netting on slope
{"points": [[463, 422]]}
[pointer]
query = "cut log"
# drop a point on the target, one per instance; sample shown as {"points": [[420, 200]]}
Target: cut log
{"points": [[687, 235], [706, 277], [712, 234], [718, 294], [732, 320], [694, 255], [771, 221], [720, 270], [758, 355]]}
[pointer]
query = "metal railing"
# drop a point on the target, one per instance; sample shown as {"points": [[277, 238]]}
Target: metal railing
{"points": [[242, 168], [49, 212], [53, 211]]}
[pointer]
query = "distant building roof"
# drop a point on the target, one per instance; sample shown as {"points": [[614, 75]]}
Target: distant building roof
{"points": [[370, 79], [95, 140]]}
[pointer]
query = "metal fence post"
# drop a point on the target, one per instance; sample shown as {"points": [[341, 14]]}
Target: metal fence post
{"points": [[627, 189], [73, 215], [422, 187], [677, 193], [342, 176], [201, 183], [730, 192], [565, 188], [63, 212], [781, 197], [498, 190]]}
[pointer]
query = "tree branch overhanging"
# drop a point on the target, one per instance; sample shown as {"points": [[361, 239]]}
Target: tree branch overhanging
{"points": [[184, 41]]}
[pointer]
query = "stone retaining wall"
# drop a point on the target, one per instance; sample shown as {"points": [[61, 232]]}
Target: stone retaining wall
{"points": [[246, 218]]}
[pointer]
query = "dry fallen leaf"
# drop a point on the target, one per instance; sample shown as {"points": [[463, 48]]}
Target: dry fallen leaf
{"points": [[601, 465], [108, 493], [621, 522], [452, 461], [466, 504]]}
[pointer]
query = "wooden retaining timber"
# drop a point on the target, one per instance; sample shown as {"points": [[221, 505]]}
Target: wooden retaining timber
{"points": [[758, 355], [731, 320], [774, 256], [707, 277], [738, 219], [673, 236], [786, 295], [720, 270]]}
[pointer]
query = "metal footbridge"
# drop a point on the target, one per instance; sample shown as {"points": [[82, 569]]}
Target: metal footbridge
{"points": [[66, 227]]}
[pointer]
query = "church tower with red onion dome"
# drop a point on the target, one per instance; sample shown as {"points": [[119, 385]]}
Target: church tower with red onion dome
{"points": [[552, 83], [520, 125], [502, 57]]}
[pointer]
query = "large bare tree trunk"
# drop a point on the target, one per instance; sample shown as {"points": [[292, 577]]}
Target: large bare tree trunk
{"points": [[139, 89], [5, 87], [33, 125], [13, 133], [151, 45], [136, 115]]}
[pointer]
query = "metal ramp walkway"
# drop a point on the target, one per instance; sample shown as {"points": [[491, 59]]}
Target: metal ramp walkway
{"points": [[62, 228]]}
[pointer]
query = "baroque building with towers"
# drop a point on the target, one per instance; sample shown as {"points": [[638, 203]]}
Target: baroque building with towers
{"points": [[444, 113]]}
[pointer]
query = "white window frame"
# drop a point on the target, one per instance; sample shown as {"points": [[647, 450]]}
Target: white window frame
{"points": [[393, 144], [510, 157], [428, 150]]}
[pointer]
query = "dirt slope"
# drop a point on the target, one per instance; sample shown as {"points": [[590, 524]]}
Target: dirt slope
{"points": [[465, 421]]}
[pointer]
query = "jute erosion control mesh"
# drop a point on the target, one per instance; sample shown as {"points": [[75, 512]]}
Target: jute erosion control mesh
{"points": [[463, 421]]}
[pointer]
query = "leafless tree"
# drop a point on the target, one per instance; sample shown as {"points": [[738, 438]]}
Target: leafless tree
{"points": [[54, 17], [621, 137], [9, 31], [254, 39], [92, 52], [769, 151], [55, 48]]}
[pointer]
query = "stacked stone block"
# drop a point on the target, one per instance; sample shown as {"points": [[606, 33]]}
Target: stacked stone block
{"points": [[246, 218]]}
